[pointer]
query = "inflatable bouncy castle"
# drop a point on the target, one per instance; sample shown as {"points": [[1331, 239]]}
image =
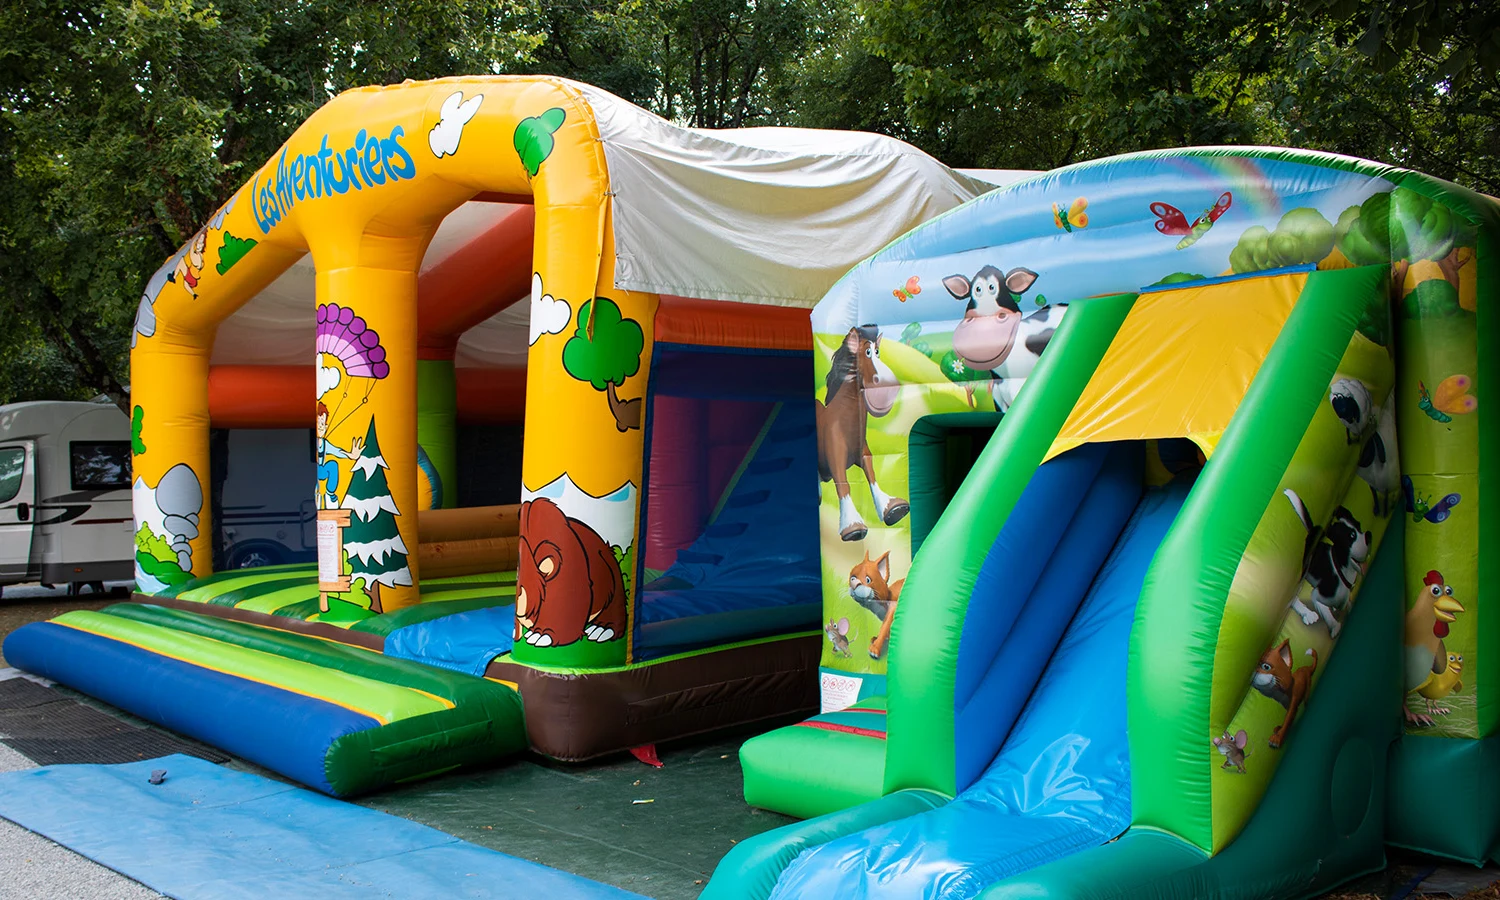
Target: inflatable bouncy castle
{"points": [[1192, 452], [1124, 524], [656, 574]]}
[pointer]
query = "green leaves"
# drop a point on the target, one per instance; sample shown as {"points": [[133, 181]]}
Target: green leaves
{"points": [[137, 423], [614, 352], [533, 138], [124, 125], [1400, 225], [232, 251]]}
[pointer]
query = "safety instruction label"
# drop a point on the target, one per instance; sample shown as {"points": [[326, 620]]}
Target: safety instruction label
{"points": [[839, 691]]}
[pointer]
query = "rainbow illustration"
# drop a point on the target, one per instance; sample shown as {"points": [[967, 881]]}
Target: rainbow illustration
{"points": [[1243, 176]]}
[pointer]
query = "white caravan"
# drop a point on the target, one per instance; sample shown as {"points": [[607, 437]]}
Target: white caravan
{"points": [[65, 494], [264, 506]]}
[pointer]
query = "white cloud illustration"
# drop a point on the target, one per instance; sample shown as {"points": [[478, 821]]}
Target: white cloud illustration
{"points": [[443, 139], [548, 314], [328, 377]]}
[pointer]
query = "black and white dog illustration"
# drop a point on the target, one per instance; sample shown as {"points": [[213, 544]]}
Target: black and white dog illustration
{"points": [[1332, 564], [1352, 404], [1379, 466]]}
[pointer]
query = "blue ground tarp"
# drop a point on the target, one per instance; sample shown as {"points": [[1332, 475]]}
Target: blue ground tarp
{"points": [[209, 832]]}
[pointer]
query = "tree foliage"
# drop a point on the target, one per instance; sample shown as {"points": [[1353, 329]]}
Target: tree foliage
{"points": [[125, 123]]}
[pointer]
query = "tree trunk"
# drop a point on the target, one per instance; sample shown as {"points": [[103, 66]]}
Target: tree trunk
{"points": [[374, 592], [627, 413], [87, 359]]}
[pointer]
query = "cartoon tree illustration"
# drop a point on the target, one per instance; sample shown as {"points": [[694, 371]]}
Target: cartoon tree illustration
{"points": [[533, 138], [605, 349], [373, 542], [137, 424], [232, 250], [1302, 236], [1426, 244]]}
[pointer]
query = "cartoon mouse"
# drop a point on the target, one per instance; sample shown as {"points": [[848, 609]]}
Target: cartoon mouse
{"points": [[838, 635], [1233, 749]]}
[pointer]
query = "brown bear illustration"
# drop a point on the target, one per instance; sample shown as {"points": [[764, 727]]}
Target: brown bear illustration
{"points": [[568, 585]]}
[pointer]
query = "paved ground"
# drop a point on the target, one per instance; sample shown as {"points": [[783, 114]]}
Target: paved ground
{"points": [[580, 818]]}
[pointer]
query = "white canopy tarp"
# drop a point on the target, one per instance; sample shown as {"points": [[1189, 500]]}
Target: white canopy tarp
{"points": [[759, 215]]}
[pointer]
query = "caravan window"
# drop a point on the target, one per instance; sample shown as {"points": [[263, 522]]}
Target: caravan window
{"points": [[100, 464], [12, 463]]}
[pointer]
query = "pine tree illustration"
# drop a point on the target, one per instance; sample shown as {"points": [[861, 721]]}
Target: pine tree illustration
{"points": [[372, 540]]}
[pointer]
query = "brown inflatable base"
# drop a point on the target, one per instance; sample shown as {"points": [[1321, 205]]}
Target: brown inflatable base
{"points": [[574, 717]]}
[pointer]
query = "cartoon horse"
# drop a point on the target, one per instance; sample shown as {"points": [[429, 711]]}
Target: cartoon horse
{"points": [[859, 386]]}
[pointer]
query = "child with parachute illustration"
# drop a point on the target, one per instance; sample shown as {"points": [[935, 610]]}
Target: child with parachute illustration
{"points": [[347, 338]]}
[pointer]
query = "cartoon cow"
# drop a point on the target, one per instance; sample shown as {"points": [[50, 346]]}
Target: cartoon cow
{"points": [[993, 335]]}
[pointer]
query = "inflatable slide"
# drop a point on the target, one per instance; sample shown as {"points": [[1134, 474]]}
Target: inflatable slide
{"points": [[654, 573], [1193, 451]]}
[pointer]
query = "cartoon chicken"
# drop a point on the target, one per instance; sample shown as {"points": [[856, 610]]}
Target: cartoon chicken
{"points": [[1441, 684], [1426, 627]]}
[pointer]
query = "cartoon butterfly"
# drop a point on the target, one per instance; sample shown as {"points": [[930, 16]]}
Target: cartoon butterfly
{"points": [[1171, 221], [1073, 216], [911, 289], [1451, 399], [1421, 506]]}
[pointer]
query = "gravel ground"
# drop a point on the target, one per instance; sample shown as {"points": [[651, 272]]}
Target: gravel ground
{"points": [[24, 603], [34, 868]]}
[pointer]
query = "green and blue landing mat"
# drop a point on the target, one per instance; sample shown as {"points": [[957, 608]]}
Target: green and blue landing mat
{"points": [[207, 833], [340, 718]]}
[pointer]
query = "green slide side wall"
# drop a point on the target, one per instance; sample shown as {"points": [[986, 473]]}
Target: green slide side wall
{"points": [[1181, 610], [934, 601], [1443, 782], [437, 421], [850, 770], [751, 869]]}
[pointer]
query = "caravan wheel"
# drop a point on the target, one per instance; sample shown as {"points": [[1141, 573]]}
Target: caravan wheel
{"points": [[253, 555]]}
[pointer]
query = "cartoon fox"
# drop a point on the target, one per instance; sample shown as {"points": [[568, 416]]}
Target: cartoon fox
{"points": [[870, 587]]}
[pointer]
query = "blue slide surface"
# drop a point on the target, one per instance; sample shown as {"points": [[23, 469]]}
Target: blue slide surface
{"points": [[1061, 781], [754, 570]]}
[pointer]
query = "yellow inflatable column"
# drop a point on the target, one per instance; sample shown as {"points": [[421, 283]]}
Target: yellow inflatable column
{"points": [[169, 396], [585, 408], [366, 437], [171, 342]]}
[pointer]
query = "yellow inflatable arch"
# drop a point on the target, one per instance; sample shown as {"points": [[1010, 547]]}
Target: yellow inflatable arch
{"points": [[362, 186], [759, 216]]}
